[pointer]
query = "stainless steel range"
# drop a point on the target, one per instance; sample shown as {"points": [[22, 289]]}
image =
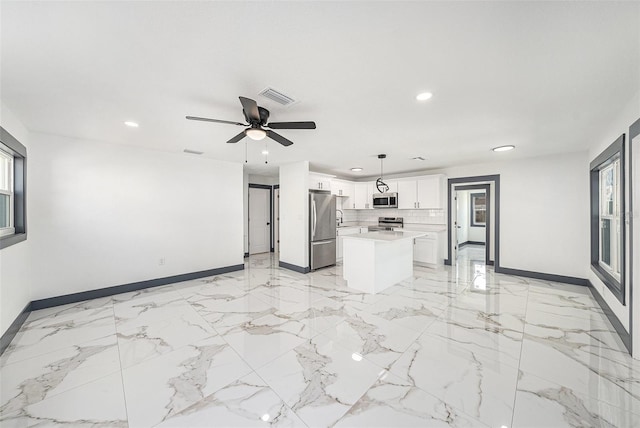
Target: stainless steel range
{"points": [[387, 223]]}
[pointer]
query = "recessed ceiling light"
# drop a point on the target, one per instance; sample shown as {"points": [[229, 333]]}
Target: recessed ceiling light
{"points": [[265, 152], [356, 357], [131, 124], [357, 169], [503, 148], [424, 96]]}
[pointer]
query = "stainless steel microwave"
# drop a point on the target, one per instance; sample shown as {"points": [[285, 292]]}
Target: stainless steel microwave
{"points": [[385, 200]]}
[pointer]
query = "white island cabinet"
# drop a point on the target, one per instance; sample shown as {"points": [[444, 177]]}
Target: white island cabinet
{"points": [[374, 261]]}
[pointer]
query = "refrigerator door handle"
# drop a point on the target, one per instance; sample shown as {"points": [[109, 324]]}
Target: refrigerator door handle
{"points": [[313, 219]]}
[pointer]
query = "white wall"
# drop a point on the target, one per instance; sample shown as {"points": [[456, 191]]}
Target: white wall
{"points": [[15, 292], [624, 119], [104, 215], [543, 211], [263, 179], [294, 214]]}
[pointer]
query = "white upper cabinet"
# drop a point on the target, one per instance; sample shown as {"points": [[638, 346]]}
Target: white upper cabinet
{"points": [[430, 192], [424, 192], [363, 196], [407, 194], [342, 188], [319, 181]]}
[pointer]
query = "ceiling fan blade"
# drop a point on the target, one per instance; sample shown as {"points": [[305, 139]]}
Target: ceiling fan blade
{"points": [[292, 125], [237, 138], [251, 109], [204, 119], [279, 138]]}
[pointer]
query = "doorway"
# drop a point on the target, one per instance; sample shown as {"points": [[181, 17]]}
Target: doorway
{"points": [[276, 219], [479, 200], [259, 219], [472, 229]]}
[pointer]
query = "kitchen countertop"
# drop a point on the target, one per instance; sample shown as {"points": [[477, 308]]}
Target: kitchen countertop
{"points": [[357, 224], [419, 227], [386, 235]]}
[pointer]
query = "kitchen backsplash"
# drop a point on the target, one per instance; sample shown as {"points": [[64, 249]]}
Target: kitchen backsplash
{"points": [[410, 216]]}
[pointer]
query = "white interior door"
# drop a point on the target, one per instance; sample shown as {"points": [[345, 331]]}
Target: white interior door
{"points": [[459, 220], [276, 220], [259, 221], [454, 228]]}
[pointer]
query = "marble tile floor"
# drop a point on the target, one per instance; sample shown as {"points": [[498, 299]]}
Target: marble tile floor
{"points": [[458, 346]]}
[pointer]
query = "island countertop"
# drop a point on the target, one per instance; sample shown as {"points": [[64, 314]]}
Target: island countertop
{"points": [[386, 235]]}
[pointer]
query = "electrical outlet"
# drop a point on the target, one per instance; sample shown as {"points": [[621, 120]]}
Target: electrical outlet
{"points": [[162, 261]]}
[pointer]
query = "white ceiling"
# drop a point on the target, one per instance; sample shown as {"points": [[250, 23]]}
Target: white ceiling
{"points": [[546, 77]]}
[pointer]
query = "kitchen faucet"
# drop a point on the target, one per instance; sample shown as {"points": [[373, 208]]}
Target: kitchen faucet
{"points": [[341, 216]]}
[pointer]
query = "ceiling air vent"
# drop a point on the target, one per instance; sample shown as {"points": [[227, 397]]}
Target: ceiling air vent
{"points": [[277, 96], [193, 152]]}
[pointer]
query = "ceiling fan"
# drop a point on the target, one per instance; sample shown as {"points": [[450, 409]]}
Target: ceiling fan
{"points": [[257, 117]]}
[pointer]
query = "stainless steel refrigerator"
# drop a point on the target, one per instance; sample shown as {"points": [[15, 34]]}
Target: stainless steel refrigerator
{"points": [[322, 229]]}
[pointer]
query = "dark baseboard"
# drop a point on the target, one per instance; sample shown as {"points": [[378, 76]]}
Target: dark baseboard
{"points": [[625, 336], [543, 276], [246, 255], [134, 286], [294, 267], [470, 243], [8, 335], [490, 263]]}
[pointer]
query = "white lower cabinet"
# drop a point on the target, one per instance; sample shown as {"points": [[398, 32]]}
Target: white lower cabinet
{"points": [[343, 232], [427, 250]]}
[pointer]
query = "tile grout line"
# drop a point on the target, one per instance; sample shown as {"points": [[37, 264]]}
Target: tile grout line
{"points": [[524, 324], [124, 393]]}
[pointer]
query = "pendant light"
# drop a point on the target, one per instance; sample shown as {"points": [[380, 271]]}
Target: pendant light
{"points": [[381, 185]]}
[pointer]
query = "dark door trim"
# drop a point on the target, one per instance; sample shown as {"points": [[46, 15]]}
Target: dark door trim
{"points": [[634, 131], [487, 228], [477, 180]]}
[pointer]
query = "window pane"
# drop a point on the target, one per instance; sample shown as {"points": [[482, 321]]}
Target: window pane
{"points": [[607, 186], [480, 216], [605, 239], [5, 171], [4, 211]]}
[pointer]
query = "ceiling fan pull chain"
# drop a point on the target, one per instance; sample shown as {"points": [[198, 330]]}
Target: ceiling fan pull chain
{"points": [[245, 151]]}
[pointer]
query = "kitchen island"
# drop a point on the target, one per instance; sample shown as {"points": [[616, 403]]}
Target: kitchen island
{"points": [[374, 261]]}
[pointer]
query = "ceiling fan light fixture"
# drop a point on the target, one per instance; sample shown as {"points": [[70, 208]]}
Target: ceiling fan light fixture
{"points": [[255, 133]]}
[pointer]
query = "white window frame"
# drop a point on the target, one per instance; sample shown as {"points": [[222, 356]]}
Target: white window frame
{"points": [[612, 215], [8, 191], [612, 274]]}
